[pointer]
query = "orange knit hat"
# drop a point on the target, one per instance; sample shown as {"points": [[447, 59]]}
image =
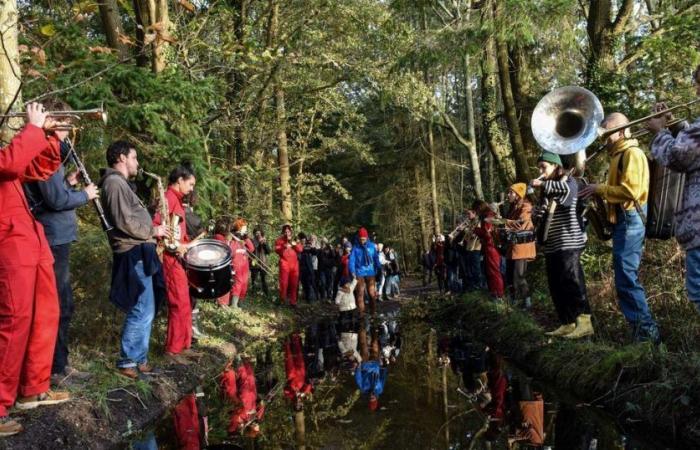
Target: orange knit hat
{"points": [[239, 224]]}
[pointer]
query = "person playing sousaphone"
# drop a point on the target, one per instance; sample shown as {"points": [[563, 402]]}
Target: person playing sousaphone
{"points": [[626, 193], [521, 247], [682, 154], [563, 244]]}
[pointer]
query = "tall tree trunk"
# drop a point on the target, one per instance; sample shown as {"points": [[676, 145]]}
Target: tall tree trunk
{"points": [[161, 17], [471, 131], [435, 207], [142, 16], [112, 26], [511, 115], [10, 74], [422, 216], [285, 178], [520, 84], [495, 134]]}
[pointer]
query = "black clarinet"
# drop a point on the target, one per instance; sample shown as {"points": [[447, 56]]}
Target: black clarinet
{"points": [[106, 226]]}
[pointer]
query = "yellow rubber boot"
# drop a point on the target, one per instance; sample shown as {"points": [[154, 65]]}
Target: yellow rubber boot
{"points": [[562, 330], [583, 327]]}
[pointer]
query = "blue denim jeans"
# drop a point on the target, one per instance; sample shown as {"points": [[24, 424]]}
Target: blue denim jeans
{"points": [[628, 243], [136, 332], [692, 279]]}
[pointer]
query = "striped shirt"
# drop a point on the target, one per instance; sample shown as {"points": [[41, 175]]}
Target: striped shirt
{"points": [[565, 230]]}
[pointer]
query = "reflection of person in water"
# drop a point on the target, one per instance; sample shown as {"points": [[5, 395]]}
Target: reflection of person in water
{"points": [[529, 415], [188, 430], [571, 430], [239, 387], [370, 376], [348, 326], [297, 386], [389, 340], [321, 349], [497, 384]]}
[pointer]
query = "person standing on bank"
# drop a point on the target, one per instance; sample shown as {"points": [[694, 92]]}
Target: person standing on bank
{"points": [[682, 154], [28, 297], [364, 265], [53, 203], [288, 250], [178, 343], [137, 276], [626, 192], [562, 249], [261, 251], [518, 255]]}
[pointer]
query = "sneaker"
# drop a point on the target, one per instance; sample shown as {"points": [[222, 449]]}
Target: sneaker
{"points": [[45, 398], [9, 427], [129, 372]]}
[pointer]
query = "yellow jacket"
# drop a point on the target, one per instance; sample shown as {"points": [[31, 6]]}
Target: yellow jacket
{"points": [[628, 185]]}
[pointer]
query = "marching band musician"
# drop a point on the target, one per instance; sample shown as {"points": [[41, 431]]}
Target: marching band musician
{"points": [[28, 297], [518, 255], [178, 343], [240, 245], [288, 251], [626, 193], [137, 280], [492, 259], [563, 246], [682, 154]]}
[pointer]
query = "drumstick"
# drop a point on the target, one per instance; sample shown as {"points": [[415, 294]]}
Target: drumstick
{"points": [[194, 241]]}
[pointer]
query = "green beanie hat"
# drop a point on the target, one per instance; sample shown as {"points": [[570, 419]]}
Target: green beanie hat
{"points": [[550, 157]]}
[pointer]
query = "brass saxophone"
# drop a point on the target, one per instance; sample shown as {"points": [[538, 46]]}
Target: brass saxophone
{"points": [[172, 223]]}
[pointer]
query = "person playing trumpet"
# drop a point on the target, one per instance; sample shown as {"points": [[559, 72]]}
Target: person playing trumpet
{"points": [[492, 258], [288, 250], [682, 154], [178, 343], [626, 193]]}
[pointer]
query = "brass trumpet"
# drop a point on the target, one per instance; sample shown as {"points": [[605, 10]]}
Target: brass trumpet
{"points": [[91, 114]]}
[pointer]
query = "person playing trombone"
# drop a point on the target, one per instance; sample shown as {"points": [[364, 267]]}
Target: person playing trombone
{"points": [[241, 247], [682, 154], [626, 193]]}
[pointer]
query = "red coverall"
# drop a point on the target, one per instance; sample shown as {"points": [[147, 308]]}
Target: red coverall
{"points": [[186, 418], [238, 386], [179, 308], [241, 265], [295, 368], [289, 269], [28, 298], [492, 258]]}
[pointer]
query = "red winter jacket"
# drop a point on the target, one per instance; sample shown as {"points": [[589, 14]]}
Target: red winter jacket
{"points": [[30, 156]]}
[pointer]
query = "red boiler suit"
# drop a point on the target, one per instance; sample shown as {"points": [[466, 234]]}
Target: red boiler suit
{"points": [[186, 418], [238, 386], [295, 368], [492, 258], [28, 297], [289, 269], [241, 266], [179, 308]]}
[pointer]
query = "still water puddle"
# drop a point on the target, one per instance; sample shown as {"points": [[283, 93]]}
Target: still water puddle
{"points": [[349, 383]]}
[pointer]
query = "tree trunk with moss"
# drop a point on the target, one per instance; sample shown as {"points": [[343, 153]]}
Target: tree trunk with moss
{"points": [[10, 75]]}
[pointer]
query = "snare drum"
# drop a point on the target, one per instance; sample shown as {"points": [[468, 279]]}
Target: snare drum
{"points": [[208, 265]]}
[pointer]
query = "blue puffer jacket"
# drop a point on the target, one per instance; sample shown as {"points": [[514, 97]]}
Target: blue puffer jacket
{"points": [[371, 377], [364, 260]]}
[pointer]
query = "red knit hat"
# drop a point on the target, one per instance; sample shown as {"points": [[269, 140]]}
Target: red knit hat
{"points": [[362, 233]]}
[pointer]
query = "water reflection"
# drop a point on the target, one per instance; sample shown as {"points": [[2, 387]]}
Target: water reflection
{"points": [[348, 382]]}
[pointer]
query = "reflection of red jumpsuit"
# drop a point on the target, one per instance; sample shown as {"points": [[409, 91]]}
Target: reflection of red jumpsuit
{"points": [[179, 308], [289, 269], [28, 298], [186, 418], [238, 386], [492, 259], [241, 265], [295, 368]]}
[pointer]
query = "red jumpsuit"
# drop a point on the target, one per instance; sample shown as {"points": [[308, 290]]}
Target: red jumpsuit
{"points": [[238, 386], [179, 308], [492, 258], [28, 298], [295, 368], [289, 269], [241, 266], [186, 418]]}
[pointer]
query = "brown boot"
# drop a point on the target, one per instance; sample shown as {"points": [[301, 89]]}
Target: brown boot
{"points": [[562, 330], [129, 372], [45, 398], [9, 427], [583, 327], [146, 369]]}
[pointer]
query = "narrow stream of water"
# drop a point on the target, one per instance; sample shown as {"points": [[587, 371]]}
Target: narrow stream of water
{"points": [[422, 405]]}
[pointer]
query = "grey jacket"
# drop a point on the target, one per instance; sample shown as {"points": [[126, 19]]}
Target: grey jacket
{"points": [[682, 154], [125, 211]]}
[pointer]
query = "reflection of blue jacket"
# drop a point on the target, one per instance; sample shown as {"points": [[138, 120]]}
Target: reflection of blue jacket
{"points": [[364, 260], [371, 377]]}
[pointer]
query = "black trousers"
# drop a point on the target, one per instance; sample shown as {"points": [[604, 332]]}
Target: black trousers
{"points": [[567, 284], [516, 270], [61, 266], [254, 273]]}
